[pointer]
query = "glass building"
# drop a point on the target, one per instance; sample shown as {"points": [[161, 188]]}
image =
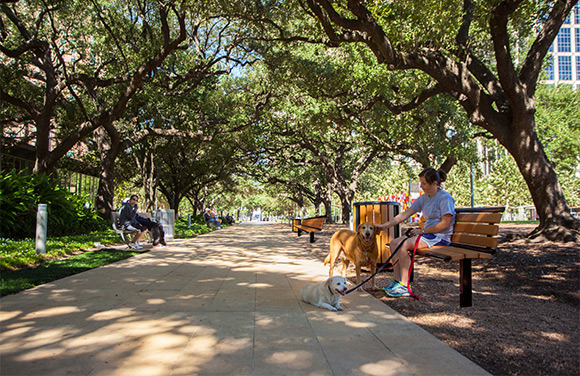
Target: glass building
{"points": [[563, 60]]}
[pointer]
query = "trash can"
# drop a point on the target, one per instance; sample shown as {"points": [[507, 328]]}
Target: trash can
{"points": [[378, 212], [167, 219]]}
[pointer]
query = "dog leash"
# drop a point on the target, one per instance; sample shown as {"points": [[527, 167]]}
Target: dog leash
{"points": [[408, 235], [416, 297]]}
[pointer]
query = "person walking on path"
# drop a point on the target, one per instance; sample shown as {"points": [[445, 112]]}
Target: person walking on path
{"points": [[438, 208]]}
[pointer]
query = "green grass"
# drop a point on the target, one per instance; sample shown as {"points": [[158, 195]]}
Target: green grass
{"points": [[13, 281], [22, 268], [16, 254]]}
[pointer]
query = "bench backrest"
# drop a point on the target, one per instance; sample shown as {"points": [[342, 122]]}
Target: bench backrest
{"points": [[313, 222], [476, 228]]}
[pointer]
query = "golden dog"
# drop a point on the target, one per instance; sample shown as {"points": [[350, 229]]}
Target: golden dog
{"points": [[325, 294], [357, 247]]}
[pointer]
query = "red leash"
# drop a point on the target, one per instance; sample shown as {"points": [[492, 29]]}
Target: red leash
{"points": [[416, 297]]}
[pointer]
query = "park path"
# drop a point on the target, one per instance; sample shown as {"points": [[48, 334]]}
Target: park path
{"points": [[225, 303]]}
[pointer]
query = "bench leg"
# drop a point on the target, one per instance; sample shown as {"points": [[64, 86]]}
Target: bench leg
{"points": [[465, 283], [299, 232], [311, 237]]}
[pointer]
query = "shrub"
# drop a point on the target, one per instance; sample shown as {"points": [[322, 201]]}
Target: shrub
{"points": [[19, 199], [197, 226]]}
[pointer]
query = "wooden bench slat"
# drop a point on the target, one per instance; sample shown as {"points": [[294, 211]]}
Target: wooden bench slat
{"points": [[478, 217], [309, 228], [483, 241], [476, 228], [454, 253]]}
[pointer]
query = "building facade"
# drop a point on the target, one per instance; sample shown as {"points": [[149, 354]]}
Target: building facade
{"points": [[564, 61]]}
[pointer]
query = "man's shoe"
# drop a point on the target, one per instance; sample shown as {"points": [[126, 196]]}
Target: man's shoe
{"points": [[397, 291], [138, 245], [163, 242]]}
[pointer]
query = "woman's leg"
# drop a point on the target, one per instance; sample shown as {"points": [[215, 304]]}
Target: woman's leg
{"points": [[401, 269]]}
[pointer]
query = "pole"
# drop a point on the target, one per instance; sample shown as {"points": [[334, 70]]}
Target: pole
{"points": [[41, 228], [471, 178]]}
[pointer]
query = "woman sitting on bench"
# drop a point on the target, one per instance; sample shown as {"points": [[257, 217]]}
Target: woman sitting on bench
{"points": [[438, 207]]}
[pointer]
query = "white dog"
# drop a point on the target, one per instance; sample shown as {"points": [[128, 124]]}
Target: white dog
{"points": [[325, 294]]}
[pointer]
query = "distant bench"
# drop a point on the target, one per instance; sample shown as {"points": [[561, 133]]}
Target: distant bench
{"points": [[310, 225], [474, 237]]}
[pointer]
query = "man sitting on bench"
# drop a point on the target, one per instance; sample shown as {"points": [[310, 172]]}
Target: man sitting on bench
{"points": [[128, 221], [210, 218]]}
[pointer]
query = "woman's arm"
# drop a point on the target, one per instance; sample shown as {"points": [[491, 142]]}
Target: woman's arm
{"points": [[439, 227], [397, 219]]}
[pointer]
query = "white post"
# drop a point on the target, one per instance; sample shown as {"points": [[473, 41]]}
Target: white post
{"points": [[41, 228]]}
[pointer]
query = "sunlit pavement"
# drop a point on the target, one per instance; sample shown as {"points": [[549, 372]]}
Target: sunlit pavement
{"points": [[225, 303]]}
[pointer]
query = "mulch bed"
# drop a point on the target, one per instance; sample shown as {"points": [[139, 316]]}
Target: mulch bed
{"points": [[526, 303]]}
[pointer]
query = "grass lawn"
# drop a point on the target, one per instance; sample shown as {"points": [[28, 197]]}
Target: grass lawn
{"points": [[22, 268], [12, 281]]}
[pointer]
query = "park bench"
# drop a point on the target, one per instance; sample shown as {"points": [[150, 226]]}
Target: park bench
{"points": [[310, 225], [474, 237], [118, 229]]}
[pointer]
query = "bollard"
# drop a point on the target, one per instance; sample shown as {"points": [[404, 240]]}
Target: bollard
{"points": [[189, 221], [41, 228]]}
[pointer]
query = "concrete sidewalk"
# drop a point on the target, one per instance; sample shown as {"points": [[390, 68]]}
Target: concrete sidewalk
{"points": [[225, 303]]}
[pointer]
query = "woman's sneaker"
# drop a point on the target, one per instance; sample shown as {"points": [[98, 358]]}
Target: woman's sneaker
{"points": [[390, 285], [398, 290]]}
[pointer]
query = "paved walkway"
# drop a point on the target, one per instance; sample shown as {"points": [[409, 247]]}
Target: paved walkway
{"points": [[225, 303]]}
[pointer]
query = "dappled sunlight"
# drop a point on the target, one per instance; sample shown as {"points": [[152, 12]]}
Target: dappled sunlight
{"points": [[383, 368], [550, 336], [4, 316], [298, 359], [110, 315], [225, 303], [256, 285], [458, 320], [51, 312]]}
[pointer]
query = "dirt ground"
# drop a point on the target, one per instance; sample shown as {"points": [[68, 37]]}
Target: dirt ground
{"points": [[525, 317]]}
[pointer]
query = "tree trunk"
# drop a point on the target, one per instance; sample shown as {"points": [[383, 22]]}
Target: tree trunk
{"points": [[346, 198], [109, 150], [149, 181], [327, 199], [556, 222]]}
